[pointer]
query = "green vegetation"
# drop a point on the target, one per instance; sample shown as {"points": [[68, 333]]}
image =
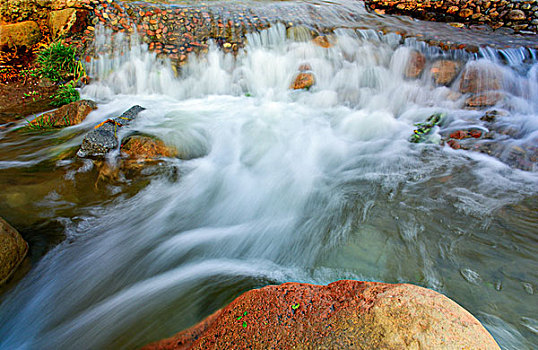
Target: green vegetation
{"points": [[65, 94], [59, 63]]}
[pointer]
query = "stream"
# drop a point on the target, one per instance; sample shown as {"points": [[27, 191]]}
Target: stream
{"points": [[272, 185]]}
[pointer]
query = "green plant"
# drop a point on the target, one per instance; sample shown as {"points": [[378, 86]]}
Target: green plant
{"points": [[65, 94], [40, 124], [58, 62]]}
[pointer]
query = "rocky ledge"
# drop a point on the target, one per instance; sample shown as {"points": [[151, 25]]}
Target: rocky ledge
{"points": [[520, 16], [342, 315]]}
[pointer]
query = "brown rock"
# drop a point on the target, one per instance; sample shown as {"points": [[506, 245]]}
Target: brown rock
{"points": [[445, 71], [342, 315], [68, 115], [415, 65], [479, 78], [13, 249], [486, 99], [19, 34], [303, 81], [146, 148], [516, 15], [323, 41], [464, 13], [67, 21]]}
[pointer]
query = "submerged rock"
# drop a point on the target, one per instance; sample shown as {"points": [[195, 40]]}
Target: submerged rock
{"points": [[13, 249], [415, 65], [342, 315], [68, 115], [486, 99], [98, 142], [423, 131], [478, 79], [444, 72]]}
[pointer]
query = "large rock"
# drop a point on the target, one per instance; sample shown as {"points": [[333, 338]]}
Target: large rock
{"points": [[415, 65], [445, 71], [478, 78], [67, 21], [142, 148], [13, 249], [98, 142], [68, 115], [342, 315], [20, 34]]}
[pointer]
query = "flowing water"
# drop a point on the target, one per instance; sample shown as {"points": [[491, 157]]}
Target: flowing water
{"points": [[273, 185]]}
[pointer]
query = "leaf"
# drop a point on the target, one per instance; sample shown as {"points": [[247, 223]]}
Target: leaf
{"points": [[295, 306], [244, 324]]}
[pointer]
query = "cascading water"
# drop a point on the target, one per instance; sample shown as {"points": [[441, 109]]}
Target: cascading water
{"points": [[279, 185]]}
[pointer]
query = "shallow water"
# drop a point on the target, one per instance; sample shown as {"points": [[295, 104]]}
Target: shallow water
{"points": [[274, 185]]}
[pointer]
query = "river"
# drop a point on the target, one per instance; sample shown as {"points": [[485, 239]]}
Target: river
{"points": [[273, 185]]}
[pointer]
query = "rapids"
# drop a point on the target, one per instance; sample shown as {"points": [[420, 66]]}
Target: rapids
{"points": [[274, 185]]}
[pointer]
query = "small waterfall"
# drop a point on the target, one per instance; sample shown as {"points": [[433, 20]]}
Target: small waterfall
{"points": [[290, 185]]}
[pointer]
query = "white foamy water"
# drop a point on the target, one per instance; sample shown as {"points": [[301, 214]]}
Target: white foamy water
{"points": [[278, 185]]}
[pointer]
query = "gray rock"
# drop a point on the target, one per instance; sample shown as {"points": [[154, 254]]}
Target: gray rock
{"points": [[98, 142]]}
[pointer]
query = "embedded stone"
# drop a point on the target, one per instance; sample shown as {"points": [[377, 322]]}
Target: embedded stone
{"points": [[13, 250], [20, 34]]}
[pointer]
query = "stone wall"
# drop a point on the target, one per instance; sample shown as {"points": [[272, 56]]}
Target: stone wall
{"points": [[520, 16]]}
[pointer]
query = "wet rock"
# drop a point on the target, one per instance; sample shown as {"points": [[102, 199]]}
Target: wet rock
{"points": [[324, 41], [20, 34], [68, 21], [463, 134], [299, 33], [142, 148], [492, 115], [98, 142], [486, 99], [303, 81], [424, 129], [342, 315], [444, 72], [415, 65], [480, 78], [13, 250], [68, 115]]}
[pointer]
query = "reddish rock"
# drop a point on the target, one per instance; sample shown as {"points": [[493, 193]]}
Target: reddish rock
{"points": [[342, 315], [415, 65], [68, 115], [445, 71], [459, 134], [486, 99], [303, 81], [453, 144], [20, 34], [480, 78], [13, 249]]}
